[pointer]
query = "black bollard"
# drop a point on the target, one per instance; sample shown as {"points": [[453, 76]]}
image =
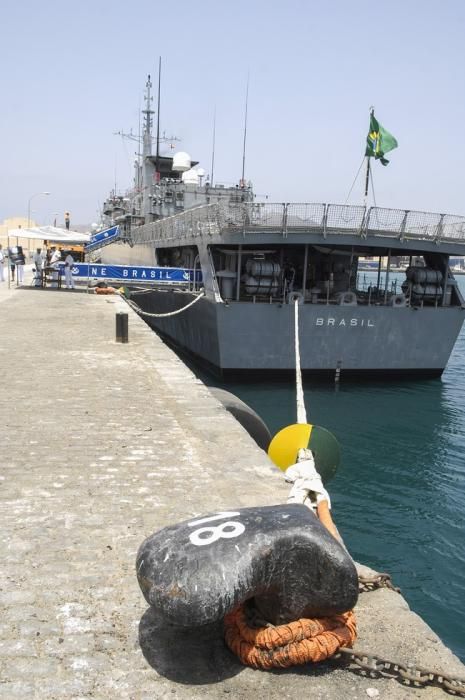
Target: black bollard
{"points": [[196, 572], [122, 327]]}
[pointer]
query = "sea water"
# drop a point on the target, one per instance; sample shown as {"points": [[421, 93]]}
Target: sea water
{"points": [[399, 494]]}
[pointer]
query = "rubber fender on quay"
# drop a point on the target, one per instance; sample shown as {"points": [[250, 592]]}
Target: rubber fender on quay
{"points": [[199, 570], [245, 415]]}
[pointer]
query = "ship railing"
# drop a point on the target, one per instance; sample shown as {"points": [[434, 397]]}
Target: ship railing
{"points": [[339, 219], [198, 221], [414, 224], [290, 218]]}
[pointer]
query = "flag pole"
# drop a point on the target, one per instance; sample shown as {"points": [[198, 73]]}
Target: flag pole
{"points": [[367, 180], [367, 177]]}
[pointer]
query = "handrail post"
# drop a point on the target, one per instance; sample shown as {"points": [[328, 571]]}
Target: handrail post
{"points": [[366, 223], [439, 229], [285, 220], [403, 225], [325, 219], [362, 223]]}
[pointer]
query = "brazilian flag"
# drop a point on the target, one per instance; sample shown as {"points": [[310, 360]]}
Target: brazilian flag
{"points": [[379, 141]]}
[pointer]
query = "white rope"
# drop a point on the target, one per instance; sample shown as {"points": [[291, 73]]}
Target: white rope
{"points": [[301, 413], [137, 308]]}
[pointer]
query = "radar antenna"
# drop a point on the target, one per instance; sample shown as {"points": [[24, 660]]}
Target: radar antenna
{"points": [[127, 135], [147, 139]]}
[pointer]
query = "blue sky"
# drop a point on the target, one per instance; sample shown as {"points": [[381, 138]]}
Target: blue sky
{"points": [[74, 73]]}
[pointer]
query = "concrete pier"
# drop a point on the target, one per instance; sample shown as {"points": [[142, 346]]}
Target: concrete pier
{"points": [[103, 443]]}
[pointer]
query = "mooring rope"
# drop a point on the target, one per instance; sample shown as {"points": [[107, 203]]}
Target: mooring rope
{"points": [[301, 412], [298, 642], [137, 308]]}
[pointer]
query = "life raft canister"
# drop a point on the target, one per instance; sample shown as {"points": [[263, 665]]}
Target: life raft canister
{"points": [[348, 299], [398, 300]]}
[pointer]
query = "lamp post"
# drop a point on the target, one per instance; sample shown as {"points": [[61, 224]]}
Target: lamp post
{"points": [[37, 194]]}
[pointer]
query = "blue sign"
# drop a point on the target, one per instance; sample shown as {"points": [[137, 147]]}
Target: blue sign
{"points": [[129, 273], [102, 237]]}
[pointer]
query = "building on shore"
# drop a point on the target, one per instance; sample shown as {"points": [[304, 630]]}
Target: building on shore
{"points": [[14, 222]]}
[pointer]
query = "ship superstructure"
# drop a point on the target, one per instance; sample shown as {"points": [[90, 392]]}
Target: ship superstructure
{"points": [[165, 185]]}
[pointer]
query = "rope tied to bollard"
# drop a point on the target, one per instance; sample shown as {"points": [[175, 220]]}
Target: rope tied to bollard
{"points": [[306, 639], [299, 642], [140, 311]]}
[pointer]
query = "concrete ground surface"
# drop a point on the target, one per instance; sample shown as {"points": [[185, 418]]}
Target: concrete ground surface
{"points": [[102, 444]]}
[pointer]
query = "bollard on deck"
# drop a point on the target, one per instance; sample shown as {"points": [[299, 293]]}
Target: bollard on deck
{"points": [[122, 335]]}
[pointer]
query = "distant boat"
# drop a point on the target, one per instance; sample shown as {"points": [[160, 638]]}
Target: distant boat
{"points": [[367, 265]]}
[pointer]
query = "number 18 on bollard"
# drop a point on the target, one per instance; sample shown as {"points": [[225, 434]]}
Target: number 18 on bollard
{"points": [[122, 327]]}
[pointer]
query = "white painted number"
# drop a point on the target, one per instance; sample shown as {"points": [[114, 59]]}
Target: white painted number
{"points": [[212, 533]]}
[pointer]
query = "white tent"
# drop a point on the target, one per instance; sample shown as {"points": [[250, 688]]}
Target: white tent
{"points": [[50, 234]]}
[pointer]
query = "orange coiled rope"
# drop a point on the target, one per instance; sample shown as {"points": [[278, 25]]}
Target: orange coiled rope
{"points": [[299, 642]]}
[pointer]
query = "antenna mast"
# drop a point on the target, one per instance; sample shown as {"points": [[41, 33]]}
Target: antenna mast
{"points": [[213, 146], [245, 132], [158, 117]]}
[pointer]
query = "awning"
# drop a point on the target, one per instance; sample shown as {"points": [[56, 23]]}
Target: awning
{"points": [[53, 234]]}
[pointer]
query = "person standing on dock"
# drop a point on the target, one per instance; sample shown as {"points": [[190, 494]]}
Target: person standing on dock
{"points": [[37, 260], [69, 262], [54, 262], [45, 256], [2, 260], [67, 220], [20, 270]]}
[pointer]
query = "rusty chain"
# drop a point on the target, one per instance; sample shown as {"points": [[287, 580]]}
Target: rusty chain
{"points": [[407, 674], [371, 583], [372, 665]]}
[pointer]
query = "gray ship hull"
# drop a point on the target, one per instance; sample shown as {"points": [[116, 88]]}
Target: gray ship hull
{"points": [[243, 337]]}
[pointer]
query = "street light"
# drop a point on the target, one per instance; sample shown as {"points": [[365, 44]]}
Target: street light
{"points": [[37, 194]]}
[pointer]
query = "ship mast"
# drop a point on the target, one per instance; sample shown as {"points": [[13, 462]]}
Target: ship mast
{"points": [[242, 183], [147, 112], [147, 148]]}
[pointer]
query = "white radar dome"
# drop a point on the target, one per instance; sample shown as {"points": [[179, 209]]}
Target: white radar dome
{"points": [[190, 177], [200, 172], [181, 162]]}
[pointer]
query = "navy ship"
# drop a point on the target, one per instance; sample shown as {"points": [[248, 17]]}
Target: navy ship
{"points": [[248, 262]]}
